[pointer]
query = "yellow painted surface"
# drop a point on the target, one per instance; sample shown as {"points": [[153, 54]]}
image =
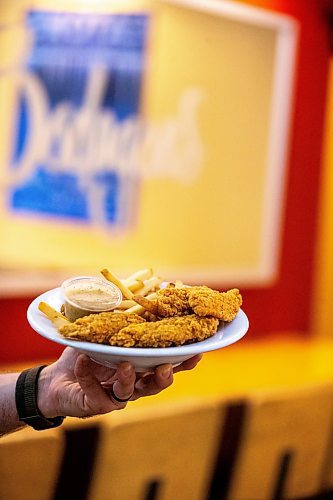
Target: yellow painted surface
{"points": [[29, 451], [246, 367], [216, 59], [249, 366], [323, 297]]}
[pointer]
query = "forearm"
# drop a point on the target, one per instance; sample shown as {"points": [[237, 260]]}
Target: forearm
{"points": [[9, 420]]}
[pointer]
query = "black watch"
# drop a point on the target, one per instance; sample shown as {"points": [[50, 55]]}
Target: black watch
{"points": [[26, 401]]}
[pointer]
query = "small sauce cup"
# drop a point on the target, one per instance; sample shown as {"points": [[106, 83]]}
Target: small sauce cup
{"points": [[85, 295]]}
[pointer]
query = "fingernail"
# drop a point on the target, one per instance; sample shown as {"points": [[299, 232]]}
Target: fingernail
{"points": [[127, 370], [166, 372], [85, 360]]}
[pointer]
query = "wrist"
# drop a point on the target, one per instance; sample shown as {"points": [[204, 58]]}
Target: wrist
{"points": [[9, 419], [26, 399], [46, 400]]}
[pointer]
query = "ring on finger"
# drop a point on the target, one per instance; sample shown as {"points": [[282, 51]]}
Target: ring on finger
{"points": [[116, 398]]}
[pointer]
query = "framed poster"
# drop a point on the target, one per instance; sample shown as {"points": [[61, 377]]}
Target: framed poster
{"points": [[153, 137]]}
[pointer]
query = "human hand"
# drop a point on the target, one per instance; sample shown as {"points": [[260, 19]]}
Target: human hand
{"points": [[77, 386]]}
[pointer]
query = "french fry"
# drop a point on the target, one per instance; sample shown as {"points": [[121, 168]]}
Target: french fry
{"points": [[141, 275], [179, 284], [133, 285], [137, 309], [147, 304], [55, 316], [111, 277], [149, 285], [126, 304]]}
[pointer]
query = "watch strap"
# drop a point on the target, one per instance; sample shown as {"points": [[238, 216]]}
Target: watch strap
{"points": [[26, 392]]}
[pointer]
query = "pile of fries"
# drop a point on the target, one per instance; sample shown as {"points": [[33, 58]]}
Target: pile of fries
{"points": [[143, 283]]}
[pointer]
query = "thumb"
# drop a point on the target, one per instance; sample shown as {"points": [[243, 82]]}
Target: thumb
{"points": [[95, 400]]}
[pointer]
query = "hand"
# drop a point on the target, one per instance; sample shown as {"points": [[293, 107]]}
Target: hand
{"points": [[76, 386]]}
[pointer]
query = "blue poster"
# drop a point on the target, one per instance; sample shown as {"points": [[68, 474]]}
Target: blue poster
{"points": [[78, 118]]}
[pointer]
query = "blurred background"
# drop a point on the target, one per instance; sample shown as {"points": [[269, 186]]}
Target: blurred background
{"points": [[193, 137]]}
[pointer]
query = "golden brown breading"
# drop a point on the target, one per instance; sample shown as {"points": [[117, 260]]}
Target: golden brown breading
{"points": [[99, 327], [207, 302], [200, 300], [172, 302], [169, 302], [166, 332], [148, 316]]}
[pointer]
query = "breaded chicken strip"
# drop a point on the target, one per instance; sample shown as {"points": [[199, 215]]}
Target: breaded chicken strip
{"points": [[166, 332], [200, 300], [207, 302], [172, 302], [99, 327]]}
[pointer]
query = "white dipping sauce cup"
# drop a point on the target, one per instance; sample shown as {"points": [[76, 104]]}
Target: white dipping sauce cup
{"points": [[85, 295]]}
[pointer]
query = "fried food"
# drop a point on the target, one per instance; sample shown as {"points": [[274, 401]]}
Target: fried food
{"points": [[166, 332], [207, 302], [138, 280], [154, 315], [57, 318], [100, 327], [151, 284], [126, 304], [137, 309], [168, 302], [141, 275], [127, 294], [201, 300]]}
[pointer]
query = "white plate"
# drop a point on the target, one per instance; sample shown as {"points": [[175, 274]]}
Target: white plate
{"points": [[144, 359]]}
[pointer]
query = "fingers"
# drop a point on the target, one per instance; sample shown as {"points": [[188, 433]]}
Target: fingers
{"points": [[103, 373], [162, 378], [95, 399], [153, 383], [67, 360], [123, 388], [189, 364], [96, 382]]}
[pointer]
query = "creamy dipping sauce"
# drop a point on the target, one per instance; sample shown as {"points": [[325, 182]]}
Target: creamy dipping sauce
{"points": [[88, 295]]}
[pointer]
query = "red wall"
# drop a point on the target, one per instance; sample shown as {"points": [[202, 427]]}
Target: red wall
{"points": [[285, 306], [18, 342]]}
